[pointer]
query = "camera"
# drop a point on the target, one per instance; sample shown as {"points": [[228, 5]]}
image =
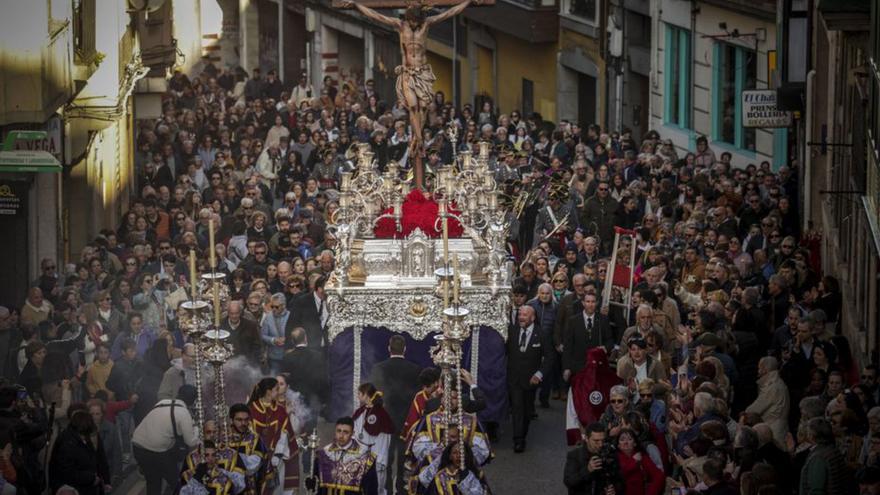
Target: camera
{"points": [[610, 472]]}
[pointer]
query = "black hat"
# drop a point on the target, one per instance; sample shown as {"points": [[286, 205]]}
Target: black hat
{"points": [[637, 340]]}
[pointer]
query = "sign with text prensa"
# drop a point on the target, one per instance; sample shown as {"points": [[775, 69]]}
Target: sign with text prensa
{"points": [[759, 110]]}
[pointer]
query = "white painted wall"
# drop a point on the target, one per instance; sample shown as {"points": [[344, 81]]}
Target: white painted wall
{"points": [[677, 12]]}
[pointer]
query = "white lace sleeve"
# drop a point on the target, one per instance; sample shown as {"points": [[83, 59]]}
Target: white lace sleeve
{"points": [[193, 487], [422, 445], [470, 485], [426, 475], [251, 462], [480, 448], [238, 482]]}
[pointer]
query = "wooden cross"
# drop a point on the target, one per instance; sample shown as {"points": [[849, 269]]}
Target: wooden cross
{"points": [[413, 80]]}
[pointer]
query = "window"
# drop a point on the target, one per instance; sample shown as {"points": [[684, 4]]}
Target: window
{"points": [[677, 96], [735, 70], [585, 9], [84, 30]]}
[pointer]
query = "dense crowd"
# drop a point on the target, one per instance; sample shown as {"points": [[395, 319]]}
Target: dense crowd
{"points": [[720, 349]]}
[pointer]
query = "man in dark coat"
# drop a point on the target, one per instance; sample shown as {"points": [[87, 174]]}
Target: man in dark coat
{"points": [[305, 366], [586, 472], [76, 461], [529, 360], [310, 312], [584, 330], [244, 334], [598, 216], [398, 379]]}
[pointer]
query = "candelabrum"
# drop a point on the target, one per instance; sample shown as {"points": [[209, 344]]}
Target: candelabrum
{"points": [[195, 321], [207, 284], [468, 186], [216, 350], [364, 193], [363, 196], [447, 354]]}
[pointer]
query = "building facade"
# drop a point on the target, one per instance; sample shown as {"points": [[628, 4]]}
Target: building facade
{"points": [[843, 195], [70, 68], [701, 65]]}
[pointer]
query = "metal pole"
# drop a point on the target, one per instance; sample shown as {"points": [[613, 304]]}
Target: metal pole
{"points": [[454, 62]]}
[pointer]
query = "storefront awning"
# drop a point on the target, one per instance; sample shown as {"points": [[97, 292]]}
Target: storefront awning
{"points": [[13, 160], [28, 161]]}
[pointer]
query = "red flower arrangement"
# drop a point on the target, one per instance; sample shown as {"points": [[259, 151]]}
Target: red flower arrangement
{"points": [[418, 212]]}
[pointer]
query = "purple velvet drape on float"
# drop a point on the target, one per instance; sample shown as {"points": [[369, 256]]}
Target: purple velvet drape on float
{"points": [[492, 373]]}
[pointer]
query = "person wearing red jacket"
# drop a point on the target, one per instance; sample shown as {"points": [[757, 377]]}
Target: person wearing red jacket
{"points": [[429, 378], [641, 475]]}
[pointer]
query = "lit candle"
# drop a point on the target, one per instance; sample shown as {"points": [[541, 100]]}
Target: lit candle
{"points": [[212, 254], [192, 273], [216, 304], [472, 202], [445, 221], [456, 281]]}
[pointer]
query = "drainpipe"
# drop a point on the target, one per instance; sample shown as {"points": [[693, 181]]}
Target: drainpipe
{"points": [[693, 69], [807, 159], [281, 40]]}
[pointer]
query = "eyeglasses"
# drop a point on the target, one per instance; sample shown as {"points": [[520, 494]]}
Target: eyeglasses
{"points": [[259, 252], [786, 246], [274, 306], [603, 189], [647, 396], [49, 267], [107, 299], [617, 401], [559, 281], [131, 263]]}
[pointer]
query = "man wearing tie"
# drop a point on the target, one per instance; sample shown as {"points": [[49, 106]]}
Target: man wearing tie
{"points": [[584, 331], [310, 312], [529, 360], [520, 294]]}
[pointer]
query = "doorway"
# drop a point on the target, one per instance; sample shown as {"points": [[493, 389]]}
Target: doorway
{"points": [[586, 100]]}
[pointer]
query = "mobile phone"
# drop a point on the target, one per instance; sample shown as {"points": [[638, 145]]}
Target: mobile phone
{"points": [[21, 395]]}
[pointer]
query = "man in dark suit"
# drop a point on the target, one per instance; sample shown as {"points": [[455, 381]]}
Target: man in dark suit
{"points": [[310, 312], [305, 367], [244, 334], [585, 330], [529, 360], [398, 379]]}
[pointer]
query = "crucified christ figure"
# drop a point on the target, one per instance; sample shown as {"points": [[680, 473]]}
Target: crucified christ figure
{"points": [[415, 79]]}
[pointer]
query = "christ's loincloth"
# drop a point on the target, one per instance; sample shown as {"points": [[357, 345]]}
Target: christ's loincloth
{"points": [[419, 80]]}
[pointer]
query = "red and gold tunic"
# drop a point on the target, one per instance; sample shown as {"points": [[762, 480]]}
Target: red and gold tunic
{"points": [[272, 423]]}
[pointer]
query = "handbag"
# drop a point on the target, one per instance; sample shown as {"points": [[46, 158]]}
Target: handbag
{"points": [[180, 447]]}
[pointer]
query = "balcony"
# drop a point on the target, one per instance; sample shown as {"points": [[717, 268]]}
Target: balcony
{"points": [[36, 79], [761, 9], [535, 21]]}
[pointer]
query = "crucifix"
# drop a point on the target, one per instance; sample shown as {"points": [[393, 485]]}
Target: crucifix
{"points": [[415, 78]]}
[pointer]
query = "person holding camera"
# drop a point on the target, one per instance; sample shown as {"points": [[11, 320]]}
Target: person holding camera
{"points": [[592, 467]]}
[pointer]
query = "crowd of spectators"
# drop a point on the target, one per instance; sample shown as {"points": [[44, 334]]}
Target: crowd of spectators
{"points": [[733, 373]]}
